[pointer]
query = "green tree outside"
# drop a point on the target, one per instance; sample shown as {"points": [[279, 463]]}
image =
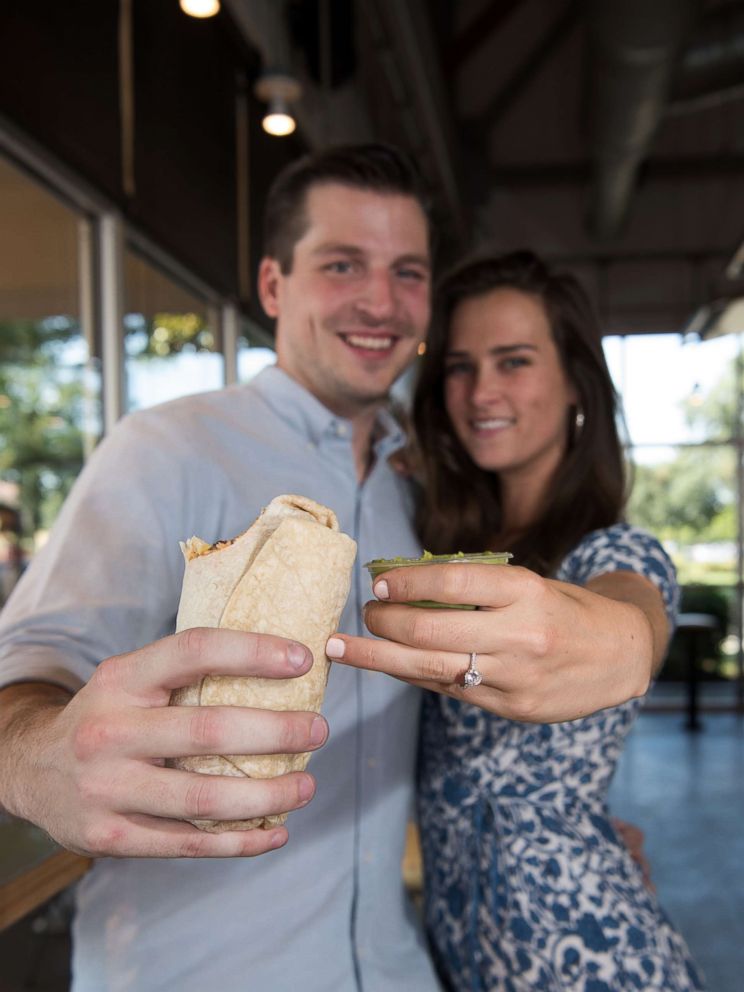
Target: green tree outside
{"points": [[690, 503], [45, 412]]}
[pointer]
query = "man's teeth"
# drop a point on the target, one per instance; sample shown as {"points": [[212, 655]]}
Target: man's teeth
{"points": [[368, 341], [490, 425]]}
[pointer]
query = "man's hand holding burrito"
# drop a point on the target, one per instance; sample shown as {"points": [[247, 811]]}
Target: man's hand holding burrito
{"points": [[91, 769]]}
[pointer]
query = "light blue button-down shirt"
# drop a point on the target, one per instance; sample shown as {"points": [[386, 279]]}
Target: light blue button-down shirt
{"points": [[328, 912]]}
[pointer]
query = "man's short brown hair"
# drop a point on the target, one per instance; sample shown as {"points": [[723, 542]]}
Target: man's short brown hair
{"points": [[379, 168]]}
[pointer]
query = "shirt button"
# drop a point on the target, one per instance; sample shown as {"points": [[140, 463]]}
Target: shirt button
{"points": [[342, 430], [372, 762], [368, 857]]}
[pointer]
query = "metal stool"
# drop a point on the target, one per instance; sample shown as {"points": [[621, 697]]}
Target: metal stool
{"points": [[694, 624]]}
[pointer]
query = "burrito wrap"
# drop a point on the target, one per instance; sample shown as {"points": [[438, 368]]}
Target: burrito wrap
{"points": [[288, 574]]}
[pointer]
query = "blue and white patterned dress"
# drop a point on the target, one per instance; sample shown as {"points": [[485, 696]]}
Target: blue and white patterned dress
{"points": [[528, 888]]}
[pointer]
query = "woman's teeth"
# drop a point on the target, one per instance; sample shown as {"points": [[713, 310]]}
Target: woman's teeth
{"points": [[495, 423]]}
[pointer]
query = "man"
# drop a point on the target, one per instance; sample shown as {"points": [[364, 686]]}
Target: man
{"points": [[347, 278]]}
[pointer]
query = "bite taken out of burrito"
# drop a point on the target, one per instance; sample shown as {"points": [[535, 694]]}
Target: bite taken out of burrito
{"points": [[288, 574]]}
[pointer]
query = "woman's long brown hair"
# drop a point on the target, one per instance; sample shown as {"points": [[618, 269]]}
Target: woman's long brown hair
{"points": [[460, 507]]}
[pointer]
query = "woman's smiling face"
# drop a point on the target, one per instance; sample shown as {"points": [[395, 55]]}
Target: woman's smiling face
{"points": [[505, 390]]}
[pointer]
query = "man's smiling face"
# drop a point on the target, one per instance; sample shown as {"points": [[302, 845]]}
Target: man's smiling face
{"points": [[355, 306]]}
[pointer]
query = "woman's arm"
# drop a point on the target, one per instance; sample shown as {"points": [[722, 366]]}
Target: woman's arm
{"points": [[629, 587], [548, 651]]}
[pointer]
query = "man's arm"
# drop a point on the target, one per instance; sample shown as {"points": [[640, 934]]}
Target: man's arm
{"points": [[90, 769]]}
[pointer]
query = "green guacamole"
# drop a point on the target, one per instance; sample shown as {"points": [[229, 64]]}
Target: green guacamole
{"points": [[380, 565]]}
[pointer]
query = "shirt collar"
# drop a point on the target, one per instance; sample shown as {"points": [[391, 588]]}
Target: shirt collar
{"points": [[389, 436], [305, 414]]}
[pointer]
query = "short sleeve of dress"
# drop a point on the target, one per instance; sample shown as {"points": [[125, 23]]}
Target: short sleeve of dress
{"points": [[623, 547]]}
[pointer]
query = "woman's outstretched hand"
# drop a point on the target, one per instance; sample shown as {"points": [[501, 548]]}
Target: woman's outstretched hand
{"points": [[547, 651]]}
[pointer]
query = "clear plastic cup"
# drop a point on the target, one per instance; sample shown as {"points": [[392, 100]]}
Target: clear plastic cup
{"points": [[379, 565]]}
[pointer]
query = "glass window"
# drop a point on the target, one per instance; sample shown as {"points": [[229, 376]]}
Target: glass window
{"points": [[680, 399], [675, 391], [171, 337], [255, 350], [687, 497], [50, 399]]}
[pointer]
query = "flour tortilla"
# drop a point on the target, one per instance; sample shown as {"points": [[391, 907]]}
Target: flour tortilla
{"points": [[288, 574]]}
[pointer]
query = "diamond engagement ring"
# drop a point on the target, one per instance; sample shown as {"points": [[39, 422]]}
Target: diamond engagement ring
{"points": [[472, 677]]}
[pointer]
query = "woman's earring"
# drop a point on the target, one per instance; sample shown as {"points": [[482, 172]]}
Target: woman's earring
{"points": [[578, 425]]}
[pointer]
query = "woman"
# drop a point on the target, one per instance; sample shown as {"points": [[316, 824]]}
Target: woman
{"points": [[516, 417], [527, 884]]}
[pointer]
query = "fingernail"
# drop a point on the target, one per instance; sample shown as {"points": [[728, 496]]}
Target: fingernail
{"points": [[318, 730], [278, 838], [335, 647], [306, 788], [380, 589], [296, 655]]}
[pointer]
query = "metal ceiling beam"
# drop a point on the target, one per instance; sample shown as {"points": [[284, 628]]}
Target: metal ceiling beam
{"points": [[634, 46], [714, 61], [532, 175], [479, 31], [608, 259], [408, 37], [711, 71], [531, 66], [735, 267]]}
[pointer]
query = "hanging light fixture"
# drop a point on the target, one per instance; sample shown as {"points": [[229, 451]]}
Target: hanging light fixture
{"points": [[279, 92], [200, 8]]}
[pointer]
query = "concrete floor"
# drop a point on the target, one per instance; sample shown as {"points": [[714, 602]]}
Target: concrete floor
{"points": [[686, 791]]}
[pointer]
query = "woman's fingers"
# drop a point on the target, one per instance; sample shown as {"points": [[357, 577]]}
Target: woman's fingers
{"points": [[536, 640], [456, 583], [499, 692], [433, 630], [443, 668]]}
